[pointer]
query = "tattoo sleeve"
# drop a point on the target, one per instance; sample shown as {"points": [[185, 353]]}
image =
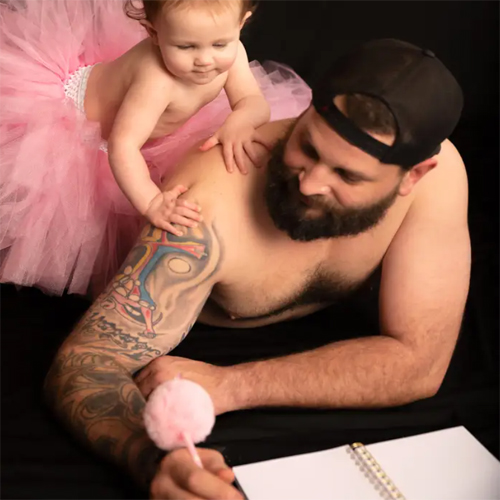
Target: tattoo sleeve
{"points": [[145, 312]]}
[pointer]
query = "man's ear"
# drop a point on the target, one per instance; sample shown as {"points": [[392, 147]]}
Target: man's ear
{"points": [[416, 173], [245, 19], [151, 30]]}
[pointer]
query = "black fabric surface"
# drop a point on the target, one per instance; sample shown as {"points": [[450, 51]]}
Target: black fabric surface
{"points": [[39, 458]]}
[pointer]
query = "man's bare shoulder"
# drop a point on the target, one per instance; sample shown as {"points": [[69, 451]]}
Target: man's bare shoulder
{"points": [[439, 201], [205, 174], [447, 182]]}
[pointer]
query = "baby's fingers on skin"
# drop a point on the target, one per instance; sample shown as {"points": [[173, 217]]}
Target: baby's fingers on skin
{"points": [[176, 191], [227, 151], [187, 212], [166, 226], [184, 221], [209, 143], [254, 156], [239, 154], [189, 204]]}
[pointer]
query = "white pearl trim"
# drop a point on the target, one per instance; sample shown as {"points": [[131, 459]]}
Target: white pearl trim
{"points": [[75, 88]]}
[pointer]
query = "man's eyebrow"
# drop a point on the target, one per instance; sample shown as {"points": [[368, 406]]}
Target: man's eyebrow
{"points": [[306, 139]]}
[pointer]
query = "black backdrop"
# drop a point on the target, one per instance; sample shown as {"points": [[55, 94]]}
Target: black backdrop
{"points": [[40, 461], [307, 35]]}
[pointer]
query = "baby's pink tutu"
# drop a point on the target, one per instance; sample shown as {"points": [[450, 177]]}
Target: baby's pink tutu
{"points": [[64, 223]]}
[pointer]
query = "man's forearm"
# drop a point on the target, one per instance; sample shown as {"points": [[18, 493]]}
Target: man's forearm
{"points": [[360, 373], [98, 400]]}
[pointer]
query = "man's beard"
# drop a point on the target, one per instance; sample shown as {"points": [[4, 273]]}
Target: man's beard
{"points": [[289, 213]]}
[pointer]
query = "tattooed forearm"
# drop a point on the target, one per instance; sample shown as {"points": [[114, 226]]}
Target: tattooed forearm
{"points": [[145, 312], [98, 400]]}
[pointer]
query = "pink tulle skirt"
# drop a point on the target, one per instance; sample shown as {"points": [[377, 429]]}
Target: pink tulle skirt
{"points": [[64, 223]]}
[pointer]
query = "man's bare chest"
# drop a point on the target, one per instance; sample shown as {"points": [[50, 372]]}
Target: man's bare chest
{"points": [[283, 288]]}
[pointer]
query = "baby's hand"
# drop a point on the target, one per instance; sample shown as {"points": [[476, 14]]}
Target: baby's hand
{"points": [[165, 209], [236, 139]]}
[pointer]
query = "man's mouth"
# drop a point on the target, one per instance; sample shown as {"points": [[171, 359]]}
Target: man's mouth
{"points": [[305, 200]]}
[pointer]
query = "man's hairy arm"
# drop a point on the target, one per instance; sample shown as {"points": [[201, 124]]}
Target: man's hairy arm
{"points": [[145, 312], [424, 286]]}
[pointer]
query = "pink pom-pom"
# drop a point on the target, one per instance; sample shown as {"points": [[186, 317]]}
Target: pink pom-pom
{"points": [[175, 407]]}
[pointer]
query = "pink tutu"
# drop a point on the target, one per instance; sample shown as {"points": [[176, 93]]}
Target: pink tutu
{"points": [[64, 223]]}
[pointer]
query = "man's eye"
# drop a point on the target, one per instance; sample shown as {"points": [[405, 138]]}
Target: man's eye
{"points": [[346, 176], [308, 150]]}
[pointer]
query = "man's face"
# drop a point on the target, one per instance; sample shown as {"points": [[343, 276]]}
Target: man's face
{"points": [[320, 186]]}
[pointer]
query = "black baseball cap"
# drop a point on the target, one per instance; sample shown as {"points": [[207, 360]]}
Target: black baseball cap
{"points": [[421, 93]]}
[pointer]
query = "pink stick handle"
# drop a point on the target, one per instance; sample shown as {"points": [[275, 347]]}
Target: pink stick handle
{"points": [[192, 450]]}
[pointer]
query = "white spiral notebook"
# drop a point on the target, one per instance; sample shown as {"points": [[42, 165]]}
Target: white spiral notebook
{"points": [[444, 465]]}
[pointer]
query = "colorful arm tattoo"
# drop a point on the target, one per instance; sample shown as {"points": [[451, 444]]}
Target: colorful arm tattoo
{"points": [[145, 312]]}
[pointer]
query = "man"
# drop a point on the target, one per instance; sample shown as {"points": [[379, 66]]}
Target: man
{"points": [[364, 178]]}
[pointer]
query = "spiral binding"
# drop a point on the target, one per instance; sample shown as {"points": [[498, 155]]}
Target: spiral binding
{"points": [[374, 472]]}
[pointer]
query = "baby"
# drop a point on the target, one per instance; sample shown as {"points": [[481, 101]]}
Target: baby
{"points": [[192, 53], [97, 107]]}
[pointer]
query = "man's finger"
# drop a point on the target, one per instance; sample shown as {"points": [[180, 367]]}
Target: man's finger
{"points": [[142, 374], [146, 386], [203, 482], [209, 143], [226, 475], [163, 488]]}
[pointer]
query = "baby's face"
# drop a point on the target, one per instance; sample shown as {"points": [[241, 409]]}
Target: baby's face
{"points": [[197, 45]]}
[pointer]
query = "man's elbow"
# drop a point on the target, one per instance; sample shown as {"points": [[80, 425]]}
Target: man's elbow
{"points": [[427, 385], [430, 387]]}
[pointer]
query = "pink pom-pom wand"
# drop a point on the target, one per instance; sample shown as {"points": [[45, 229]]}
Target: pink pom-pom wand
{"points": [[179, 413]]}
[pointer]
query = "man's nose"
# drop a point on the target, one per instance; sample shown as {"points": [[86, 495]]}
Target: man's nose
{"points": [[314, 181]]}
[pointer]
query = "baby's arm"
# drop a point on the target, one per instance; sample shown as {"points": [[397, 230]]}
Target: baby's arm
{"points": [[244, 94], [140, 111], [144, 103], [250, 111]]}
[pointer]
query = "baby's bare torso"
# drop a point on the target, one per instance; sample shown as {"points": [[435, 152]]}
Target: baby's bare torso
{"points": [[109, 83]]}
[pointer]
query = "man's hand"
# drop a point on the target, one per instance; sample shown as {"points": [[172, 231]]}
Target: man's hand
{"points": [[236, 136], [165, 210], [214, 379], [178, 477]]}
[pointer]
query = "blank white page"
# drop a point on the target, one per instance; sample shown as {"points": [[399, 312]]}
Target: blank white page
{"points": [[444, 465], [450, 464], [324, 475]]}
